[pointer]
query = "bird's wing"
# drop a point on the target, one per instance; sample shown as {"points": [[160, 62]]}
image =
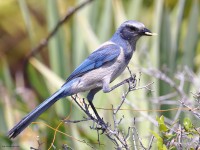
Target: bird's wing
{"points": [[98, 58]]}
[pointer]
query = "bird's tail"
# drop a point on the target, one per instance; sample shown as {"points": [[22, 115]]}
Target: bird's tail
{"points": [[19, 127]]}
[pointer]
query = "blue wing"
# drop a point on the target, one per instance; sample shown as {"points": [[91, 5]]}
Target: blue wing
{"points": [[104, 54]]}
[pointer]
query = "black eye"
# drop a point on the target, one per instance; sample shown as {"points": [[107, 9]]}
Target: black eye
{"points": [[131, 28]]}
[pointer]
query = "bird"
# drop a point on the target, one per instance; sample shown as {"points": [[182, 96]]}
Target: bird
{"points": [[96, 72]]}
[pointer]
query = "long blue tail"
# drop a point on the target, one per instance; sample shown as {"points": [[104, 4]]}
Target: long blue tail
{"points": [[19, 127]]}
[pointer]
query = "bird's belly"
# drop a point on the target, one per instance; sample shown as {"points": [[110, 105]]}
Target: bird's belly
{"points": [[94, 79]]}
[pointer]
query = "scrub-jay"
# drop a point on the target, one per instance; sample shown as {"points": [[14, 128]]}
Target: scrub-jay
{"points": [[96, 72]]}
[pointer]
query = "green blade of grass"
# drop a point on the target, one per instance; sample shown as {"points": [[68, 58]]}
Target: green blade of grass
{"points": [[57, 54], [56, 44], [192, 37], [176, 30], [27, 19], [105, 24]]}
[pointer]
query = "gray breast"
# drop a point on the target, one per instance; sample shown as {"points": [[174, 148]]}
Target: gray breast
{"points": [[119, 65]]}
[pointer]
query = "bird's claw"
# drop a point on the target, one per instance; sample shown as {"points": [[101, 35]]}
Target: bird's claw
{"points": [[132, 82], [103, 126]]}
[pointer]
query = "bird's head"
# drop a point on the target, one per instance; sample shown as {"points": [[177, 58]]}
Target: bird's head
{"points": [[132, 30]]}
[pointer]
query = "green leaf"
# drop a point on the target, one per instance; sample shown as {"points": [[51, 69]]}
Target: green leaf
{"points": [[187, 123], [169, 137], [190, 135], [159, 140], [172, 148], [164, 147], [161, 123]]}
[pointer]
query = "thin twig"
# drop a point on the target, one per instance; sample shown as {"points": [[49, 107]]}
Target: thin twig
{"points": [[193, 110], [77, 121], [109, 133], [66, 17], [134, 141], [150, 143], [140, 140], [180, 137]]}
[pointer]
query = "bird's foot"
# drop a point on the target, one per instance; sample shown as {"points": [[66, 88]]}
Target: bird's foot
{"points": [[103, 125], [132, 82]]}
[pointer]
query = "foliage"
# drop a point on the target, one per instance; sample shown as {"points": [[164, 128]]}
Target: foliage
{"points": [[172, 141]]}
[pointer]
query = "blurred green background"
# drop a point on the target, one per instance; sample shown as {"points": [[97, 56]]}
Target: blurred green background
{"points": [[23, 23]]}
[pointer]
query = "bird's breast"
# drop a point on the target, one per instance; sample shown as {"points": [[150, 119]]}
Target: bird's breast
{"points": [[110, 70], [119, 66]]}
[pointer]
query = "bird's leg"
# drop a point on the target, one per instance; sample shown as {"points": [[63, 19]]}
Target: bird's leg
{"points": [[95, 111], [91, 94], [130, 81], [90, 97]]}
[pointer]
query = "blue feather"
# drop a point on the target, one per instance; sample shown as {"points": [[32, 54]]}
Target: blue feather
{"points": [[103, 55]]}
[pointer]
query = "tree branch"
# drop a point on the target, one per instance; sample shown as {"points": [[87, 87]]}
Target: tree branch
{"points": [[45, 41]]}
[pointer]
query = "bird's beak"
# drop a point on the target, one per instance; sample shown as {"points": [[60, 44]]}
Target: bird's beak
{"points": [[147, 32]]}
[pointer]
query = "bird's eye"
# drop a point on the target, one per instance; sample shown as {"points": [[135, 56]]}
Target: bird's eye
{"points": [[131, 28]]}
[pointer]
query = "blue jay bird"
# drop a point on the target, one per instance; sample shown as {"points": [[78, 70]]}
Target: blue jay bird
{"points": [[96, 72]]}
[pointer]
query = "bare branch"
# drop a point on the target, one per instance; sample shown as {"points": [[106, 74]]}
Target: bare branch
{"points": [[193, 110], [45, 41], [162, 76], [66, 17], [76, 121], [135, 131], [150, 143]]}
